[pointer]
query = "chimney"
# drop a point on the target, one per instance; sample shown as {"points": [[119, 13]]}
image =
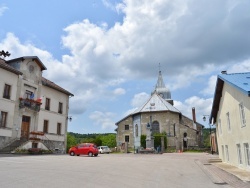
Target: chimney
{"points": [[193, 113]]}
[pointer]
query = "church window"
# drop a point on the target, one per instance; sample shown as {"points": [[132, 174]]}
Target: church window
{"points": [[136, 130], [126, 127], [155, 127], [126, 138]]}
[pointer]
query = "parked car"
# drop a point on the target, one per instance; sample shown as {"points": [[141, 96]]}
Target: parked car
{"points": [[89, 149], [104, 149]]}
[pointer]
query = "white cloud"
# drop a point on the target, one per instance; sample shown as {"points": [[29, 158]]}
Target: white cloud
{"points": [[240, 67], [103, 119], [119, 91], [3, 8], [210, 88], [202, 107], [191, 40], [139, 99]]}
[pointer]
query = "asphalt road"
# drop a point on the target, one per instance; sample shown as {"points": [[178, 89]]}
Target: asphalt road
{"points": [[177, 170]]}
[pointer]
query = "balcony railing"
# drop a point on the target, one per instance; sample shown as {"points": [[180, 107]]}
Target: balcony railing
{"points": [[30, 104]]}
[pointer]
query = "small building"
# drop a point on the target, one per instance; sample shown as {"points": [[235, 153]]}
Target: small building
{"points": [[33, 110], [231, 116], [159, 113]]}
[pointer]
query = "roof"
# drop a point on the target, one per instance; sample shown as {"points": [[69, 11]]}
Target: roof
{"points": [[52, 85], [240, 81], [154, 104], [5, 66], [34, 58]]}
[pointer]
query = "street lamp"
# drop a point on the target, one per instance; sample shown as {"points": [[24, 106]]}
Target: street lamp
{"points": [[211, 147]]}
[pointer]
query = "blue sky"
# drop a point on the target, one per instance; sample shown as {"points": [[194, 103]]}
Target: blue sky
{"points": [[107, 53]]}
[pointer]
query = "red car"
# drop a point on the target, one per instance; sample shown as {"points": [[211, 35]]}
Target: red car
{"points": [[84, 149]]}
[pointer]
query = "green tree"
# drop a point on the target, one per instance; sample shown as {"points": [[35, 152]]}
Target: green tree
{"points": [[109, 140], [71, 141], [143, 140]]}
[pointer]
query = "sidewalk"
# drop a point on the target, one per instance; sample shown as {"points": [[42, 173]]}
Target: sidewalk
{"points": [[222, 173]]}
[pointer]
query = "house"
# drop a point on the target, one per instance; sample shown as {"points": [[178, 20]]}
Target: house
{"points": [[231, 116], [159, 113], [33, 110]]}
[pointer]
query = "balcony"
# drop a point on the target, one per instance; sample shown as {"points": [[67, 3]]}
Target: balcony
{"points": [[30, 104]]}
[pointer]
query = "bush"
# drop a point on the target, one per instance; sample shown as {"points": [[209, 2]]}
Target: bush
{"points": [[143, 140]]}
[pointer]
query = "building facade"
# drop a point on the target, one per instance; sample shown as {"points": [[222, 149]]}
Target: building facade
{"points": [[160, 114], [33, 110], [231, 115]]}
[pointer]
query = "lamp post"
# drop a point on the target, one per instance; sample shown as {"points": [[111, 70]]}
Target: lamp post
{"points": [[204, 119]]}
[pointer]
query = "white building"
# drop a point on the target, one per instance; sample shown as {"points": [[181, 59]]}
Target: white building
{"points": [[231, 115], [33, 110]]}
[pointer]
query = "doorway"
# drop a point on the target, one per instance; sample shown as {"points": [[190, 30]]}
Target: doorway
{"points": [[25, 127]]}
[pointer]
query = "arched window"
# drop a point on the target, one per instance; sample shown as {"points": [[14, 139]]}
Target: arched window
{"points": [[136, 130], [155, 127]]}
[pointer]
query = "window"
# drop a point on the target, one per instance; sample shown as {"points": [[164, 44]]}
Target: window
{"points": [[45, 126], [3, 119], [47, 104], [34, 145], [228, 121], [239, 153], [59, 126], [136, 130], [126, 127], [242, 115], [223, 154], [219, 124], [227, 153], [6, 93], [247, 153], [28, 94], [155, 127], [126, 138], [60, 107]]}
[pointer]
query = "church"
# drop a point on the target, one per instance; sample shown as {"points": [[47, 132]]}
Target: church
{"points": [[162, 116]]}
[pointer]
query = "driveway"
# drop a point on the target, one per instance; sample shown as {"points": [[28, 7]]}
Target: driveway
{"points": [[175, 170]]}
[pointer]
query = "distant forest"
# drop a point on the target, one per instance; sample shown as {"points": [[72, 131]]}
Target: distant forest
{"points": [[104, 139]]}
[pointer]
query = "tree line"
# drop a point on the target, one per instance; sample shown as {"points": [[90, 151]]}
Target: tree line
{"points": [[105, 139]]}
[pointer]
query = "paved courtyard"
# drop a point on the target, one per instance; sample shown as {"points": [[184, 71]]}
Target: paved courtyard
{"points": [[175, 170]]}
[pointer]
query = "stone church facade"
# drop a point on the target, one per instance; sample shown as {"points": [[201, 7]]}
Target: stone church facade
{"points": [[160, 113]]}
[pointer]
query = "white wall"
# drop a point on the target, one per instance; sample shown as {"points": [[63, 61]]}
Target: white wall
{"points": [[230, 100], [8, 105]]}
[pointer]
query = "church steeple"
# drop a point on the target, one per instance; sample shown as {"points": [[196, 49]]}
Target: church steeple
{"points": [[162, 90], [160, 82]]}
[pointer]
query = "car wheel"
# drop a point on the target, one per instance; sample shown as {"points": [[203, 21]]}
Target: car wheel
{"points": [[72, 153], [78, 155], [96, 155], [108, 153], [90, 154]]}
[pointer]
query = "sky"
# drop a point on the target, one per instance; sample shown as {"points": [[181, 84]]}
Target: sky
{"points": [[107, 52]]}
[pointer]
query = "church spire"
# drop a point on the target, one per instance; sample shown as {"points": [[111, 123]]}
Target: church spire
{"points": [[160, 87], [160, 82]]}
